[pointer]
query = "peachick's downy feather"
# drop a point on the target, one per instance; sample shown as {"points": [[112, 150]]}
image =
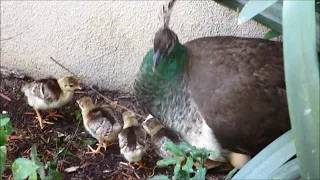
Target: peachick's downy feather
{"points": [[102, 124], [132, 141], [48, 93]]}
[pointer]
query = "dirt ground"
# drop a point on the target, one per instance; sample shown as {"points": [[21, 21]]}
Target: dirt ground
{"points": [[68, 133]]}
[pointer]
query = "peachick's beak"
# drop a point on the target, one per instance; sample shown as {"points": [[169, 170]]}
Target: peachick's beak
{"points": [[156, 59], [80, 86]]}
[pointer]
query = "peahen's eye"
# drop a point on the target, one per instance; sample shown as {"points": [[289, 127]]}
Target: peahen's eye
{"points": [[71, 84]]}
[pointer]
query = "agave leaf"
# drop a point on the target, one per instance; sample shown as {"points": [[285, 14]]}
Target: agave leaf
{"points": [[252, 8], [231, 173], [269, 159], [302, 82], [289, 170]]}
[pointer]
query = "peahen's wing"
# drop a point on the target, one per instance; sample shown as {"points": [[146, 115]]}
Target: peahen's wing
{"points": [[238, 85]]}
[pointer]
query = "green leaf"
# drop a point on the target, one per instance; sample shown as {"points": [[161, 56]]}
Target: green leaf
{"points": [[160, 177], [177, 169], [200, 174], [182, 175], [4, 119], [8, 128], [77, 114], [3, 158], [302, 82], [173, 148], [269, 159], [290, 170], [33, 176], [3, 136], [35, 159], [53, 175], [188, 167], [185, 147], [167, 161], [23, 168], [271, 34], [252, 8]]}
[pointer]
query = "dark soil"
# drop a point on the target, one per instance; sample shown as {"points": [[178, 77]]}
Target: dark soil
{"points": [[69, 134]]}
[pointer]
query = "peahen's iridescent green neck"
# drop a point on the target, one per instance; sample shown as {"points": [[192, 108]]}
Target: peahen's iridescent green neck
{"points": [[169, 68]]}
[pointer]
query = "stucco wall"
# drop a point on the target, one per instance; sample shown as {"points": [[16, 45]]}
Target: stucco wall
{"points": [[103, 42]]}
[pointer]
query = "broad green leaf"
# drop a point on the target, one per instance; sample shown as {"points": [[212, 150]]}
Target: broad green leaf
{"points": [[200, 174], [4, 119], [23, 168], [252, 8], [33, 176], [290, 170], [160, 177], [269, 159], [271, 34], [188, 167], [302, 82], [173, 148], [3, 136], [3, 158], [167, 161]]}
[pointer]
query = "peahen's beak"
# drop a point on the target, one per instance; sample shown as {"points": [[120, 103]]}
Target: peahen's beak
{"points": [[156, 59]]}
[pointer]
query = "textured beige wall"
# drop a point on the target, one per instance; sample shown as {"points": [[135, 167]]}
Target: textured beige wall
{"points": [[103, 42]]}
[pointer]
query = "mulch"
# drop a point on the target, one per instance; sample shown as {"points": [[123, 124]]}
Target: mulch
{"points": [[69, 133]]}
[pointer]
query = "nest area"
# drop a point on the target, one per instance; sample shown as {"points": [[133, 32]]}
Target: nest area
{"points": [[69, 133]]}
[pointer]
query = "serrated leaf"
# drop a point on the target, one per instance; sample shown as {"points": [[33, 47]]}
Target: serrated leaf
{"points": [[167, 161], [160, 177], [177, 169], [23, 168], [33, 176], [186, 147], [34, 158], [182, 175], [200, 174], [252, 8], [271, 34], [3, 158], [188, 167], [173, 148], [3, 136]]}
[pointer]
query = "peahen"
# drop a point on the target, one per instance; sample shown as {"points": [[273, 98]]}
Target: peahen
{"points": [[222, 93]]}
